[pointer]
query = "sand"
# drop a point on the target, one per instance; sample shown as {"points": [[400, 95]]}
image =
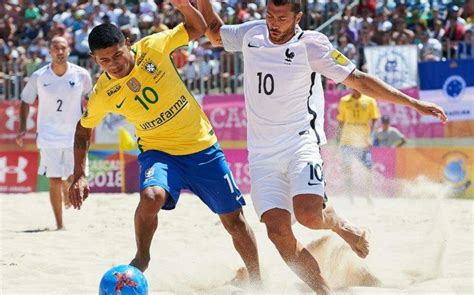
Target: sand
{"points": [[421, 244]]}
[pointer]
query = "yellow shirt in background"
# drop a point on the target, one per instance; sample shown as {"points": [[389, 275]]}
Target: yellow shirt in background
{"points": [[154, 99], [357, 115]]}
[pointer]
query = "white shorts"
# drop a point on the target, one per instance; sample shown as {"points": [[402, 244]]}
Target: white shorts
{"points": [[56, 162], [276, 178]]}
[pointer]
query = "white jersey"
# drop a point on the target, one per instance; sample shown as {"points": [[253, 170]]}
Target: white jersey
{"points": [[60, 103], [282, 83]]}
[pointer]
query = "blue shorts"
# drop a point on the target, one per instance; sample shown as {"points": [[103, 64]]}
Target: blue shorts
{"points": [[205, 173]]}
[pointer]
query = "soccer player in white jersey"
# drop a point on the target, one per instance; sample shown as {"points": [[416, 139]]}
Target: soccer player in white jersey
{"points": [[285, 110], [60, 88]]}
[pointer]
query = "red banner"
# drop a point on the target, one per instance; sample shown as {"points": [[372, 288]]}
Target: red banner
{"points": [[18, 171], [10, 121]]}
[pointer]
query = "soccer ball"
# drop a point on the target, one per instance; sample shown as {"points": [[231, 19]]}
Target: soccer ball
{"points": [[123, 280]]}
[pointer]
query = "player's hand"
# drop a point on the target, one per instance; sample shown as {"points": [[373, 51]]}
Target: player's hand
{"points": [[431, 109], [180, 3], [78, 192], [19, 137]]}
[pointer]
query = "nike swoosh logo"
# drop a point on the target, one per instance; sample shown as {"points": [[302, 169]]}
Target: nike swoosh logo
{"points": [[311, 184], [239, 197], [252, 46], [120, 104], [46, 84]]}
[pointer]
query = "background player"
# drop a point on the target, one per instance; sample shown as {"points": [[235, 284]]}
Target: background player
{"points": [[60, 88]]}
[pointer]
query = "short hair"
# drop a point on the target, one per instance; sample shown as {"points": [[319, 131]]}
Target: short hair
{"points": [[104, 36], [296, 4]]}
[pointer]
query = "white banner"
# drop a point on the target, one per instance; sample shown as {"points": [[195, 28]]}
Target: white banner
{"points": [[396, 65], [107, 131]]}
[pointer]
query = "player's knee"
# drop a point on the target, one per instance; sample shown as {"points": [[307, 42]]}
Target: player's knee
{"points": [[151, 201], [313, 219], [235, 225]]}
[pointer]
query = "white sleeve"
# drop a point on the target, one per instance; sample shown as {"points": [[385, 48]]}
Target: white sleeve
{"points": [[233, 35], [30, 92], [87, 84], [325, 59]]}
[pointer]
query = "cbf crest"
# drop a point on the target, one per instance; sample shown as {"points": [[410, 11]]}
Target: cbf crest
{"points": [[149, 66]]}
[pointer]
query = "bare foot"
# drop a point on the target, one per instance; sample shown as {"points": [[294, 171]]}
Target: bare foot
{"points": [[241, 278], [140, 263], [357, 238]]}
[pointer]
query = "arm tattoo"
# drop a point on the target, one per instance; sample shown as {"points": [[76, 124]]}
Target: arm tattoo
{"points": [[215, 25]]}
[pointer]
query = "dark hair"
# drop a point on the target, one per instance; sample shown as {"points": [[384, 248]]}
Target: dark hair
{"points": [[104, 36], [295, 3]]}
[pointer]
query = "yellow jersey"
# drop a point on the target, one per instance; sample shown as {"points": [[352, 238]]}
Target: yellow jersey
{"points": [[154, 99], [357, 115]]}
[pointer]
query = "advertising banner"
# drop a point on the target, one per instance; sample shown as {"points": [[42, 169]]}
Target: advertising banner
{"points": [[396, 65], [237, 159], [18, 171], [405, 119], [449, 84], [10, 121], [104, 172], [451, 166], [227, 115]]}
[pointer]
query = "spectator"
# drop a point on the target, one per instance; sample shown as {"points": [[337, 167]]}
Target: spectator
{"points": [[345, 29], [158, 25], [347, 48], [454, 32], [81, 45], [252, 13], [191, 72], [33, 64], [388, 136], [364, 42], [32, 12], [430, 48], [127, 17], [401, 32], [466, 47]]}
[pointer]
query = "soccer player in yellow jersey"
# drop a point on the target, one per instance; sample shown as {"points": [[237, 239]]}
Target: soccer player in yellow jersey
{"points": [[357, 116], [178, 147]]}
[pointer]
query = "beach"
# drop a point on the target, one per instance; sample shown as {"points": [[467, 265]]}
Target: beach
{"points": [[421, 243]]}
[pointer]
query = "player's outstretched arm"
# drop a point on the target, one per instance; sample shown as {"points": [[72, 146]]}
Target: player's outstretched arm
{"points": [[193, 19], [79, 189], [214, 22], [374, 87]]}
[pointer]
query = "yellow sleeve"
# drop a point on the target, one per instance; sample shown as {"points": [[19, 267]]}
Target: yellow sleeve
{"points": [[341, 116], [167, 41], [95, 111]]}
